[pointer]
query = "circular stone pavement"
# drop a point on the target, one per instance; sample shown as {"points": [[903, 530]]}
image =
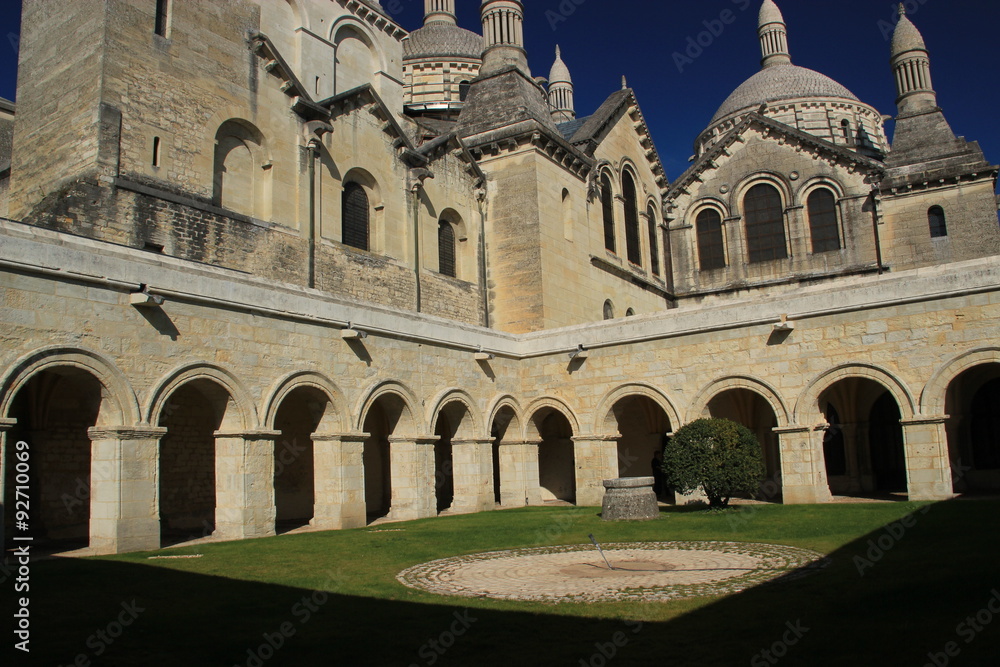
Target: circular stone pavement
{"points": [[646, 571]]}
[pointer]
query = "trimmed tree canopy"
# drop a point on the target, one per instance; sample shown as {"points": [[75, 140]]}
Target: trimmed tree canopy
{"points": [[720, 456]]}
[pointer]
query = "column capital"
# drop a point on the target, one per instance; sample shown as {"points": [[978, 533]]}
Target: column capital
{"points": [[415, 439], [249, 435], [918, 420], [339, 437], [126, 432]]}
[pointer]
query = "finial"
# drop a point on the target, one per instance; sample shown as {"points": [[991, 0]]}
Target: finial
{"points": [[902, 9], [624, 83], [558, 52]]}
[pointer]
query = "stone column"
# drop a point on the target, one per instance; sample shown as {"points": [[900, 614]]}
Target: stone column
{"points": [[472, 462], [803, 471], [596, 458], [244, 484], [519, 474], [339, 481], [124, 488], [411, 461], [928, 470]]}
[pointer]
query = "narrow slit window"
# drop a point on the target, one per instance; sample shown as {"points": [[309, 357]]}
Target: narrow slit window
{"points": [[654, 245], [632, 247], [162, 17], [156, 151], [446, 249], [608, 213]]}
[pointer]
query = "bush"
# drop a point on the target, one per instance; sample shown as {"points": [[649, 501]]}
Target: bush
{"points": [[720, 456]]}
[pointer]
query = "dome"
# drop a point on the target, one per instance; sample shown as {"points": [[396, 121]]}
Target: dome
{"points": [[782, 82], [442, 40], [559, 72], [906, 37]]}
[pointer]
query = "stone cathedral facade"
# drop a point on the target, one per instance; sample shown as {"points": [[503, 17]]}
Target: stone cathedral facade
{"points": [[279, 264]]}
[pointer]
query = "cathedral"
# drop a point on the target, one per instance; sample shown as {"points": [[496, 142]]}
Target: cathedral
{"points": [[273, 265]]}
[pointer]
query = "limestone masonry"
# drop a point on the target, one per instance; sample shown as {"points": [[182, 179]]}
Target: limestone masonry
{"points": [[278, 264]]}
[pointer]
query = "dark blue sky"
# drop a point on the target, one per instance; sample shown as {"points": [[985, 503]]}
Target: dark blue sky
{"points": [[847, 40]]}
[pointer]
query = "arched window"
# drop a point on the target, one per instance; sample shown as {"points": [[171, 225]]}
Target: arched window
{"points": [[765, 224], [630, 313], [446, 248], [355, 60], [608, 212], [711, 248], [237, 179], [823, 225], [463, 90], [845, 128], [355, 216], [654, 245], [609, 310], [935, 216], [632, 246]]}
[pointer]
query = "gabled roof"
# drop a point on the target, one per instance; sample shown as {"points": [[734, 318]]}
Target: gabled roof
{"points": [[594, 128], [708, 159]]}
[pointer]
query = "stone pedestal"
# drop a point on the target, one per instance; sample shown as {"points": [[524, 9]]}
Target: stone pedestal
{"points": [[519, 474], [629, 499], [339, 481], [472, 462], [596, 460], [803, 471], [928, 470], [124, 498], [411, 460], [244, 482]]}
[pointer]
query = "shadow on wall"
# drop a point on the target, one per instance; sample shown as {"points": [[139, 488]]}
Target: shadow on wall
{"points": [[841, 617]]}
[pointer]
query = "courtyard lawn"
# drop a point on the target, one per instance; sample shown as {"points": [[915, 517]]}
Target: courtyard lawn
{"points": [[239, 600]]}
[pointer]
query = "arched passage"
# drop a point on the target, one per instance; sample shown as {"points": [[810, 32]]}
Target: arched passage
{"points": [[444, 458], [863, 446], [751, 409], [642, 426], [298, 418], [53, 411], [973, 405], [556, 460], [515, 463], [191, 414]]}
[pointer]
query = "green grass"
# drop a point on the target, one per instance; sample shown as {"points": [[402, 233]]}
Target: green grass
{"points": [[211, 610]]}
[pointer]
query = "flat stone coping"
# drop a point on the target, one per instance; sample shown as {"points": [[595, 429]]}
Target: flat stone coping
{"points": [[628, 482], [643, 571]]}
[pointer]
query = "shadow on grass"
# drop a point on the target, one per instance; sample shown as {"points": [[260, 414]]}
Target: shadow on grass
{"points": [[915, 586]]}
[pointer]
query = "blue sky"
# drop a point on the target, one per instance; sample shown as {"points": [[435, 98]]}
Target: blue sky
{"points": [[847, 40]]}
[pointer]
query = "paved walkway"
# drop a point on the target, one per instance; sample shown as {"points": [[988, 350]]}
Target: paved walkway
{"points": [[652, 571]]}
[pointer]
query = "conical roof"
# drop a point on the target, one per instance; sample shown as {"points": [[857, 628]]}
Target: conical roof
{"points": [[559, 72], [906, 36], [769, 13]]}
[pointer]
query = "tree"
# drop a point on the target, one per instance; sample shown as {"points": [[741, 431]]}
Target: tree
{"points": [[720, 456]]}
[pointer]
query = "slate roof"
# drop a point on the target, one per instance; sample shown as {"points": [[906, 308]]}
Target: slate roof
{"points": [[442, 40], [781, 82], [592, 124], [571, 127]]}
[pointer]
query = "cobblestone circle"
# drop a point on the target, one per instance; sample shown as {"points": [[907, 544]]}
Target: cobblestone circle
{"points": [[643, 571]]}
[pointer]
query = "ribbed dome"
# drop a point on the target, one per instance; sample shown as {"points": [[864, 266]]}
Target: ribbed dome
{"points": [[769, 13], [442, 40], [906, 37], [782, 82], [559, 72]]}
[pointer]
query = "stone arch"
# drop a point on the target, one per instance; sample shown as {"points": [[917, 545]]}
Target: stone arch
{"points": [[604, 420], [352, 66], [556, 404], [122, 408], [756, 385], [505, 405], [773, 178], [807, 407], [801, 194], [333, 420], [509, 453], [242, 418], [406, 423], [300, 17], [241, 169], [933, 396], [468, 427]]}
